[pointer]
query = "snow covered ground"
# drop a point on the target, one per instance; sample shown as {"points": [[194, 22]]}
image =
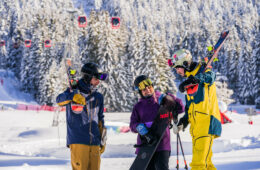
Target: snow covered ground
{"points": [[29, 141]]}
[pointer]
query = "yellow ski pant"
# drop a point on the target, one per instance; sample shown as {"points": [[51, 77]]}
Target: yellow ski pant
{"points": [[202, 153], [85, 157]]}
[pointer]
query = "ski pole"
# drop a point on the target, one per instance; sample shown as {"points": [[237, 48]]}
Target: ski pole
{"points": [[178, 136], [177, 145]]}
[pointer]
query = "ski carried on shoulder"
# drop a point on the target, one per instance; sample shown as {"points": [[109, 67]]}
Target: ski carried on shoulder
{"points": [[73, 82], [213, 53]]}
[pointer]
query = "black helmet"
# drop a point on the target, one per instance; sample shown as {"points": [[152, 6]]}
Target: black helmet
{"points": [[138, 85], [138, 80], [90, 70]]}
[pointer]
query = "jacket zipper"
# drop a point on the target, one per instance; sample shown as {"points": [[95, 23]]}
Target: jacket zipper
{"points": [[193, 118], [201, 113], [90, 126]]}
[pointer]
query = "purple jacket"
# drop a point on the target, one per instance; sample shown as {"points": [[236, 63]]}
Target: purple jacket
{"points": [[145, 111]]}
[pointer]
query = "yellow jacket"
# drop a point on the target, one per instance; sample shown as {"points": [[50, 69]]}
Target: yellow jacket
{"points": [[202, 108]]}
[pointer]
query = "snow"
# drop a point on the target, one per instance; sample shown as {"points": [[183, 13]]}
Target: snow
{"points": [[29, 141], [8, 94]]}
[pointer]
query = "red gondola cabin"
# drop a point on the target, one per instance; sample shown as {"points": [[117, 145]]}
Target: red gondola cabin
{"points": [[2, 43], [47, 43], [28, 43], [115, 22], [82, 21]]}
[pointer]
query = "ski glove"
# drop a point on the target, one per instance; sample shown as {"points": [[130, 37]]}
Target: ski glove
{"points": [[161, 99], [149, 139], [183, 123], [102, 148], [103, 133], [170, 104], [74, 84], [191, 80], [79, 99], [141, 129]]}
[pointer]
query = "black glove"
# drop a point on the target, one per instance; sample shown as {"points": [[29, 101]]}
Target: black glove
{"points": [[183, 122], [74, 84], [149, 139], [190, 80], [170, 104]]}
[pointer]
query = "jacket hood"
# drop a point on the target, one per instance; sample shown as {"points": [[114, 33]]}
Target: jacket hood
{"points": [[84, 87], [194, 71]]}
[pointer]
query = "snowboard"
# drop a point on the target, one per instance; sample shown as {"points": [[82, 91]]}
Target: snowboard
{"points": [[157, 130]]}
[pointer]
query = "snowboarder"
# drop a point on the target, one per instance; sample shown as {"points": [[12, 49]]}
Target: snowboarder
{"points": [[84, 129], [201, 109], [143, 115]]}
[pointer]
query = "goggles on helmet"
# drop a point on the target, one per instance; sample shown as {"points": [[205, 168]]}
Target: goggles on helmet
{"points": [[72, 72], [178, 58], [102, 76], [170, 63], [143, 84]]}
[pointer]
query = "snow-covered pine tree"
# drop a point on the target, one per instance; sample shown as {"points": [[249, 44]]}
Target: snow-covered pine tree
{"points": [[8, 24], [106, 46], [5, 13], [232, 54], [255, 69], [245, 95], [223, 92], [133, 50], [161, 73], [89, 43]]}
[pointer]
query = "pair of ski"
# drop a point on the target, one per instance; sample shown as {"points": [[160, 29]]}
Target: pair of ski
{"points": [[161, 122], [73, 81], [192, 89]]}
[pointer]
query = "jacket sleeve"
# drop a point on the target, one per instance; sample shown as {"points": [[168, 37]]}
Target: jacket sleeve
{"points": [[207, 77], [101, 110], [186, 115], [64, 98], [134, 121], [179, 104]]}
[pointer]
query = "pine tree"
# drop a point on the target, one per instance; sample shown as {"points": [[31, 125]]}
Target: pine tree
{"points": [[255, 70], [223, 92], [244, 76]]}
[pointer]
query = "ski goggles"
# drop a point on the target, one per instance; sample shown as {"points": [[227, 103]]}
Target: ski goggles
{"points": [[170, 63], [177, 60], [143, 84], [102, 76], [72, 72]]}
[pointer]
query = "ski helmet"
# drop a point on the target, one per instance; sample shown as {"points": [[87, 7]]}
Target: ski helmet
{"points": [[90, 70], [180, 58], [141, 82]]}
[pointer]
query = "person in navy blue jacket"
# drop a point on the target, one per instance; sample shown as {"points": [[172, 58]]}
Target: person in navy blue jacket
{"points": [[85, 126]]}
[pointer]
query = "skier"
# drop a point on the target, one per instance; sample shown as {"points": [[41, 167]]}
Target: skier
{"points": [[143, 115], [84, 128], [201, 109]]}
